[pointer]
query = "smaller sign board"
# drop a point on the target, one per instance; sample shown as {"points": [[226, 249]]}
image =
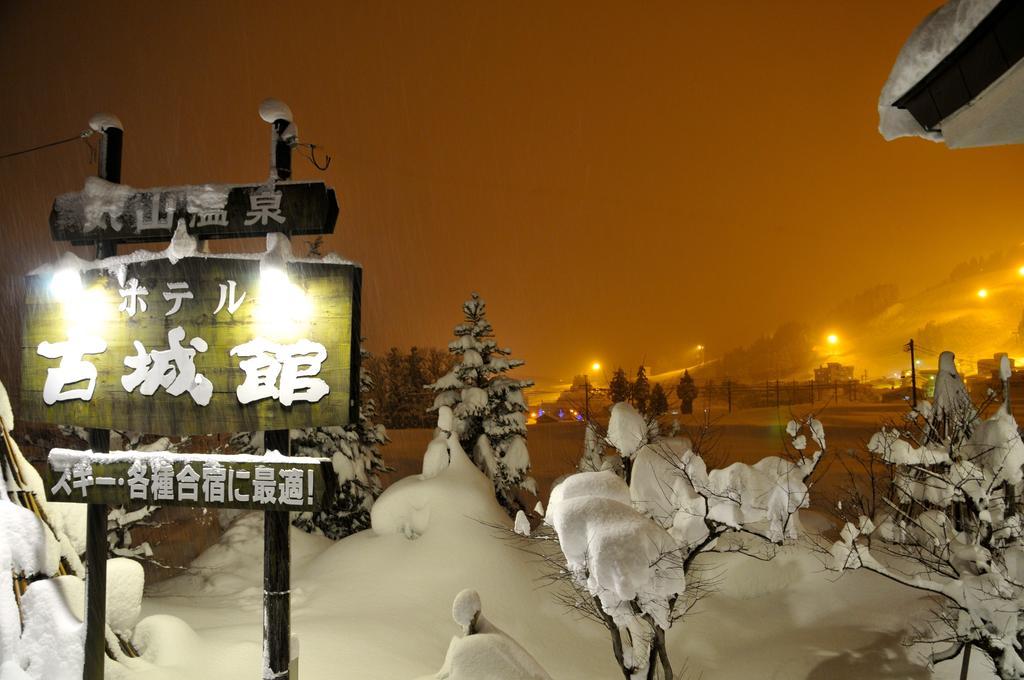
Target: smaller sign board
{"points": [[105, 211], [271, 482]]}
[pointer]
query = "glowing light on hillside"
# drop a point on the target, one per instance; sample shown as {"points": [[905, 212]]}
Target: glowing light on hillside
{"points": [[983, 293], [832, 339]]}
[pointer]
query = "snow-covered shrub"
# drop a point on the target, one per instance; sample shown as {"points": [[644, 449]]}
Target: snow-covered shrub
{"points": [[952, 526], [629, 549], [42, 591], [355, 453], [488, 405], [484, 650]]}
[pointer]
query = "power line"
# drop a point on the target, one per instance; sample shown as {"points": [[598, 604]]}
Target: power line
{"points": [[81, 135]]}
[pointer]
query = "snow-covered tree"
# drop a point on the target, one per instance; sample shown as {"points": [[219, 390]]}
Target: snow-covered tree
{"points": [[951, 524], [619, 386], [630, 550], [641, 392], [355, 454], [686, 390], [659, 401], [593, 458], [488, 404]]}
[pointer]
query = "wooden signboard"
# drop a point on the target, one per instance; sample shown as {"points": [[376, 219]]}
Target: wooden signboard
{"points": [[204, 345], [268, 483], [108, 211]]}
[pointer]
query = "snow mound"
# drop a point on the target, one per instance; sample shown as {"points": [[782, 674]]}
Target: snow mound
{"points": [[164, 640], [125, 582], [53, 638], [409, 506], [466, 608], [930, 43], [484, 650]]}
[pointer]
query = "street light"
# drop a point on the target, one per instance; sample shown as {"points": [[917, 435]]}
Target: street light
{"points": [[983, 293], [832, 339], [595, 367], [700, 348]]}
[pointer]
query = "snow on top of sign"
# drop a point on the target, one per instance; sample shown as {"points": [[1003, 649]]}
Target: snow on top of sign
{"points": [[101, 122], [100, 197], [207, 197], [274, 109], [61, 459], [183, 246], [930, 43]]}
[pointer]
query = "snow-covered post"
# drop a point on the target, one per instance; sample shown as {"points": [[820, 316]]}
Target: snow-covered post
{"points": [[282, 134], [111, 145], [276, 547]]}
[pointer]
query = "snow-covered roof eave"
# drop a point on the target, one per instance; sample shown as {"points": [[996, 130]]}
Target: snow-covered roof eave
{"points": [[927, 52]]}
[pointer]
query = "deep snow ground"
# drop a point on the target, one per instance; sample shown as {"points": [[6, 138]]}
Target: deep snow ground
{"points": [[378, 606]]}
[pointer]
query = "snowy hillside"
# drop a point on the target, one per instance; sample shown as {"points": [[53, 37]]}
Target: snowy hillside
{"points": [[977, 314]]}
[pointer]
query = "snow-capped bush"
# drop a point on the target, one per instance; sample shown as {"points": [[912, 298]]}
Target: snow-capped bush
{"points": [[628, 547], [953, 515], [356, 457]]}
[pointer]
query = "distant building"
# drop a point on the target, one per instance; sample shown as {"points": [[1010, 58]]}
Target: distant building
{"points": [[989, 368], [832, 373]]}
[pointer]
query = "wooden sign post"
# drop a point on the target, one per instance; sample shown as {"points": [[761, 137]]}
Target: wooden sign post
{"points": [[185, 342]]}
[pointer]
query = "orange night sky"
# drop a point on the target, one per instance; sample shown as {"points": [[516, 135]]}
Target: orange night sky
{"points": [[619, 181]]}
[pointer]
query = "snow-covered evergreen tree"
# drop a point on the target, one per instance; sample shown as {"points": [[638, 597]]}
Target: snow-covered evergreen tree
{"points": [[355, 453], [641, 393], [619, 387], [488, 404], [659, 401], [686, 390]]}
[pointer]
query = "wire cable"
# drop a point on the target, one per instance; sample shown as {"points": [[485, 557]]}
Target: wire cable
{"points": [[81, 135]]}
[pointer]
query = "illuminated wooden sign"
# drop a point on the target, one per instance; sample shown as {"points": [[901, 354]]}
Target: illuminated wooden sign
{"points": [[207, 344], [108, 211], [269, 482]]}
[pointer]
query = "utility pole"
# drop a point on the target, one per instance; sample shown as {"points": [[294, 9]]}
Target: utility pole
{"points": [[728, 392], [276, 545], [111, 145], [909, 347], [586, 397]]}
